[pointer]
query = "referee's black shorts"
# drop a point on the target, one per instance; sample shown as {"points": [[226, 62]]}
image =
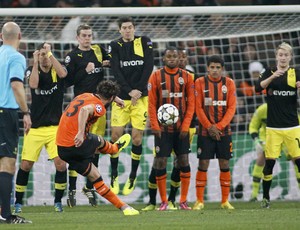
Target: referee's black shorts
{"points": [[9, 132]]}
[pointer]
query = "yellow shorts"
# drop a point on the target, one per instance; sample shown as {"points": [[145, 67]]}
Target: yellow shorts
{"points": [[99, 126], [36, 139], [137, 114], [275, 138]]}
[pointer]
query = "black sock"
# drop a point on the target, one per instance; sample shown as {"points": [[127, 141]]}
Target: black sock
{"points": [[72, 179], [114, 166], [136, 152], [21, 183], [266, 189], [152, 186], [5, 193], [60, 185], [174, 184]]}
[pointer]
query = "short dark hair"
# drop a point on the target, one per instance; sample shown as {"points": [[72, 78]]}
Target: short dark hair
{"points": [[40, 46], [215, 59], [172, 48], [181, 49], [108, 89], [125, 19], [83, 27]]}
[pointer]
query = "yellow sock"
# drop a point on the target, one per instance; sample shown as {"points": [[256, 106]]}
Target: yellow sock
{"points": [[257, 175]]}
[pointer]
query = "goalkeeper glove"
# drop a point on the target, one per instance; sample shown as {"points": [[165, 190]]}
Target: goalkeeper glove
{"points": [[258, 145]]}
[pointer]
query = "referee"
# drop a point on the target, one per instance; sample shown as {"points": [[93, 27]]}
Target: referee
{"points": [[12, 67]]}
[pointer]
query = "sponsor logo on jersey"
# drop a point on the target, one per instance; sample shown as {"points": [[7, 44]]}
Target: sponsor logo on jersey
{"points": [[166, 94], [210, 102], [131, 63], [46, 91], [80, 55], [282, 93], [219, 103], [175, 95], [96, 70]]}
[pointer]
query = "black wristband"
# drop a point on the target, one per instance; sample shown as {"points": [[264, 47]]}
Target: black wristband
{"points": [[28, 112]]}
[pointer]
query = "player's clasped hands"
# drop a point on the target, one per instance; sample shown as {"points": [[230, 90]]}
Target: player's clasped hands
{"points": [[214, 133]]}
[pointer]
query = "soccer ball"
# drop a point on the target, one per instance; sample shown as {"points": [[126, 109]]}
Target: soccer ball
{"points": [[167, 114]]}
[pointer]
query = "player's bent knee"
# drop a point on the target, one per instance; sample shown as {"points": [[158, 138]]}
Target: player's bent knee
{"points": [[268, 169], [297, 162]]}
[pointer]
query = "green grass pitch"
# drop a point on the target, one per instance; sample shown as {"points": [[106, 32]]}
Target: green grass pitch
{"points": [[282, 215]]}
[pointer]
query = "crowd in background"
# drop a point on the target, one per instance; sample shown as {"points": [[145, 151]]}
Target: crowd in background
{"points": [[137, 3]]}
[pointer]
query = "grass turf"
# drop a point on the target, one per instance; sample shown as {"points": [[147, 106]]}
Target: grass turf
{"points": [[281, 215]]}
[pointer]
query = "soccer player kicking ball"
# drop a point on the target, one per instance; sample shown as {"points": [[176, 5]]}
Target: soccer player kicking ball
{"points": [[77, 146], [215, 108]]}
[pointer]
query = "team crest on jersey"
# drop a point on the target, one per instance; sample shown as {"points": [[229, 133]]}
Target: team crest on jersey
{"points": [[224, 89], [180, 81], [196, 93], [109, 49], [149, 86], [67, 59], [98, 108]]}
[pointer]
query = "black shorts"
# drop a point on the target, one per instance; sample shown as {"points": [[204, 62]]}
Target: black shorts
{"points": [[79, 158], [207, 148], [9, 132], [171, 142]]}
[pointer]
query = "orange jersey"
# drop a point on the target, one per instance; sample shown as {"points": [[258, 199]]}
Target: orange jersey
{"points": [[68, 124], [215, 103], [174, 86]]}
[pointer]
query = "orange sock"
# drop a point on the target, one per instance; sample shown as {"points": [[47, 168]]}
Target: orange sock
{"points": [[201, 179], [185, 184], [108, 148], [162, 187], [104, 191], [225, 179]]}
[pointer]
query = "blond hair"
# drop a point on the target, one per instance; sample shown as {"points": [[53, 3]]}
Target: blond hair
{"points": [[285, 46]]}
